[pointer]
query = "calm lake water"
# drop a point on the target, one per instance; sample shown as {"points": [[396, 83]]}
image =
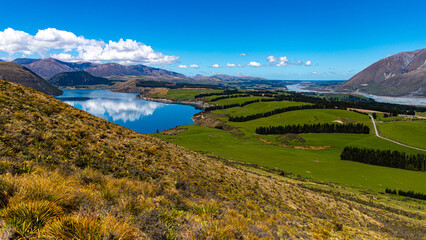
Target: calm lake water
{"points": [[127, 110]]}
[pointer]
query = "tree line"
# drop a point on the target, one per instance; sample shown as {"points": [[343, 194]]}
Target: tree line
{"points": [[411, 194], [315, 128], [386, 158]]}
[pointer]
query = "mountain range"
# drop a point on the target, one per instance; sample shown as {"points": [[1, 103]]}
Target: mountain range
{"points": [[398, 75], [19, 74], [49, 67]]}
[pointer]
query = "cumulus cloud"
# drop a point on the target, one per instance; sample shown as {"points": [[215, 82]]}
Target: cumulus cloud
{"points": [[243, 54], [254, 64], [215, 66], [182, 66], [70, 47], [282, 61], [231, 65], [271, 59], [308, 63], [194, 65]]}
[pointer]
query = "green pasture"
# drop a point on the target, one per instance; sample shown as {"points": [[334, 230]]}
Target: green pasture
{"points": [[308, 116], [409, 132], [179, 94], [315, 156], [238, 100], [258, 107], [323, 164]]}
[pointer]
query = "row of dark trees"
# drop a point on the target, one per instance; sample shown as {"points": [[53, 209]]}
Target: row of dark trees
{"points": [[387, 158], [315, 128], [411, 194]]}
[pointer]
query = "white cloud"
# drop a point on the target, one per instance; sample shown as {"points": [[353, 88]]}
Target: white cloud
{"points": [[72, 48], [332, 68], [194, 65], [314, 73], [215, 66], [271, 59], [243, 54], [308, 63], [231, 65], [254, 64], [282, 61], [182, 66], [130, 110]]}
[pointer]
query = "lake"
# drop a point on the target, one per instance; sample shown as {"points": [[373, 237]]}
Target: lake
{"points": [[127, 110]]}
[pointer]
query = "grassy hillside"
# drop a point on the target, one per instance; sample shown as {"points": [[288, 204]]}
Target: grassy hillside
{"points": [[66, 174], [409, 132]]}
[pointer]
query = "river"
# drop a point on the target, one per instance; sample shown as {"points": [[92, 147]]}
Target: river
{"points": [[398, 100]]}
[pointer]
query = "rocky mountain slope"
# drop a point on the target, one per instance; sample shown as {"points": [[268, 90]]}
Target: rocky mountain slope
{"points": [[66, 174], [77, 78], [19, 74], [398, 75], [49, 67]]}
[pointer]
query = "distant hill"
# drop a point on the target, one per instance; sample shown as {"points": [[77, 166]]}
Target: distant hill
{"points": [[77, 78], [398, 75], [13, 72], [49, 67], [227, 77]]}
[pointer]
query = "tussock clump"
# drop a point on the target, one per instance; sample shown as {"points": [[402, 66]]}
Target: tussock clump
{"points": [[27, 218]]}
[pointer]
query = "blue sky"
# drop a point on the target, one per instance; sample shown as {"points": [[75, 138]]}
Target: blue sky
{"points": [[339, 38]]}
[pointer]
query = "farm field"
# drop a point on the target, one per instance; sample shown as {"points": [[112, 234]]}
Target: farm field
{"points": [[323, 164], [179, 94], [313, 156], [238, 100], [409, 132], [308, 116], [258, 107]]}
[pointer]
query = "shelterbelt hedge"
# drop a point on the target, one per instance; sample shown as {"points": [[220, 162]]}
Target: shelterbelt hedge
{"points": [[65, 174]]}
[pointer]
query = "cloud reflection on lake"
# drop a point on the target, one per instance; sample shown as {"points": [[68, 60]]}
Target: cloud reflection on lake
{"points": [[125, 110]]}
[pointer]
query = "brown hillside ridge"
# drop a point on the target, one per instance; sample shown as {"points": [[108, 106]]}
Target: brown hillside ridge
{"points": [[398, 75], [66, 174], [22, 75]]}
